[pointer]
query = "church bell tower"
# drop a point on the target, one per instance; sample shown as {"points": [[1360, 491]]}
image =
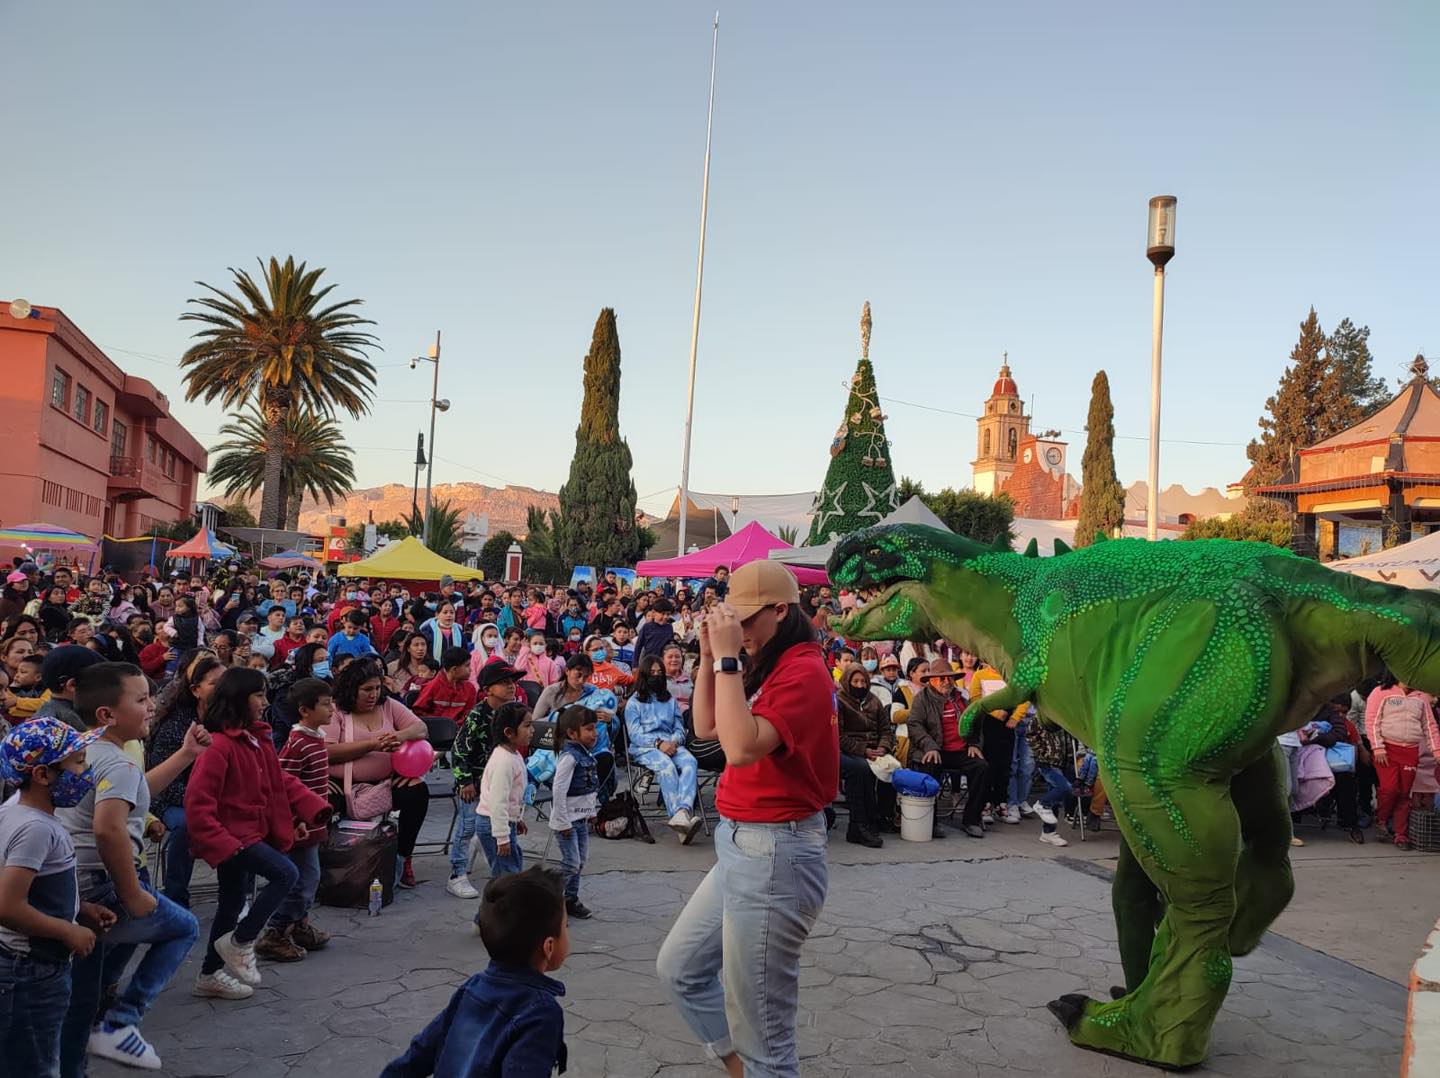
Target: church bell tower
{"points": [[1001, 429]]}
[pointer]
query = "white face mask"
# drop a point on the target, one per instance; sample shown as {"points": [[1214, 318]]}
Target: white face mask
{"points": [[489, 642], [538, 649]]}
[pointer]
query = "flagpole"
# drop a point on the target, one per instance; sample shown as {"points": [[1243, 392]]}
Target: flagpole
{"points": [[699, 281]]}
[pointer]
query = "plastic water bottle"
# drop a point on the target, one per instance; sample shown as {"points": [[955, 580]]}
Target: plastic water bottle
{"points": [[377, 897]]}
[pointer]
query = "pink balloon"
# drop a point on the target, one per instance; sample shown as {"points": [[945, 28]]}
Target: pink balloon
{"points": [[413, 759]]}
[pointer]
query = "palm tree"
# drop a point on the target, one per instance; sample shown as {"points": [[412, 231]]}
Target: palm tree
{"points": [[314, 460], [541, 545], [447, 529], [277, 342], [787, 533]]}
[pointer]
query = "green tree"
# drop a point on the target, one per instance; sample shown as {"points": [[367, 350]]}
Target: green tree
{"points": [[237, 515], [859, 488], [1296, 414], [315, 459], [787, 533], [447, 527], [597, 503], [389, 529], [492, 555], [982, 517], [278, 341], [1102, 498], [1257, 526], [907, 489], [541, 547], [1349, 348]]}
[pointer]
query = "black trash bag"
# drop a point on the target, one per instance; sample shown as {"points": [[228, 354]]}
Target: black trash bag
{"points": [[351, 860]]}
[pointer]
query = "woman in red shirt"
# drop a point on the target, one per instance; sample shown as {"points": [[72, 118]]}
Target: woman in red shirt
{"points": [[735, 948]]}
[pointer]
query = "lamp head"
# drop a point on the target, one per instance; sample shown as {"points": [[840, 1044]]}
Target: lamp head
{"points": [[414, 362], [442, 405], [1160, 236]]}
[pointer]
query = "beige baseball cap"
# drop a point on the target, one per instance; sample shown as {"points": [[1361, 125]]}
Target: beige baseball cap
{"points": [[758, 584]]}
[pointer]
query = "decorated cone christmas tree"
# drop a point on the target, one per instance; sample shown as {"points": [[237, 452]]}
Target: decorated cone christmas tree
{"points": [[859, 485]]}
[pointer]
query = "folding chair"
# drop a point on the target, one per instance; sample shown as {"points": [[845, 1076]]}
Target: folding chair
{"points": [[440, 732]]}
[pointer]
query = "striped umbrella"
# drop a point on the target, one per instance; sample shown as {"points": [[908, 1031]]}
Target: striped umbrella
{"points": [[46, 537]]}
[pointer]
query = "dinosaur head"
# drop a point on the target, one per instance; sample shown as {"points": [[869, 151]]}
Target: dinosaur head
{"points": [[889, 567]]}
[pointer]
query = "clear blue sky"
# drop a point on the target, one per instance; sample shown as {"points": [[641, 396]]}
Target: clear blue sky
{"points": [[979, 172]]}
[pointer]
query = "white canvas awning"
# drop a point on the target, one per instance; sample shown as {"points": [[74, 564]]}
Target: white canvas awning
{"points": [[914, 511], [1415, 564]]}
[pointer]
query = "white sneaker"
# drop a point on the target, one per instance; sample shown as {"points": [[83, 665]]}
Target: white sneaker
{"points": [[1047, 815], [1012, 815], [239, 959], [1052, 838], [124, 1045], [643, 784], [680, 823], [461, 887], [1027, 809], [987, 817], [220, 985]]}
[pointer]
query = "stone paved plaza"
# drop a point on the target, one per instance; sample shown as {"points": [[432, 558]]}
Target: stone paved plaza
{"points": [[933, 959]]}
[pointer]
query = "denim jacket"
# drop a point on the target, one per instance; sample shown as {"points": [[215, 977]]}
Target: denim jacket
{"points": [[506, 1020], [586, 779]]}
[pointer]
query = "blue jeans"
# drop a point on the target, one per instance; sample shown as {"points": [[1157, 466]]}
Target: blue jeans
{"points": [[732, 959], [34, 994], [167, 934], [178, 863], [676, 775], [1023, 773], [460, 842], [574, 851], [1057, 789], [295, 906], [514, 861], [233, 876]]}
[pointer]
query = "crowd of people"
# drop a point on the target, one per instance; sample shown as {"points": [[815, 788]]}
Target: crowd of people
{"points": [[229, 718]]}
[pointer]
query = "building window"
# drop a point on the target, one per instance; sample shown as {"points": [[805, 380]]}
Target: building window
{"points": [[150, 448], [60, 390], [169, 464], [986, 453], [1014, 441], [102, 417], [118, 433], [82, 404]]}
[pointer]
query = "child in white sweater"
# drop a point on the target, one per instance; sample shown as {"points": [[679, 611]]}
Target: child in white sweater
{"points": [[502, 790]]}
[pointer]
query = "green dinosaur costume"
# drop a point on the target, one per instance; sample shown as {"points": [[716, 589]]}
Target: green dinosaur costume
{"points": [[1178, 663]]}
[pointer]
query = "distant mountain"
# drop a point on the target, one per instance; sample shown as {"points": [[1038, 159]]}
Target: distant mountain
{"points": [[505, 506]]}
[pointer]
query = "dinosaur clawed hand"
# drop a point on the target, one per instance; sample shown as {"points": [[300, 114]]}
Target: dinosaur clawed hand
{"points": [[1069, 1008]]}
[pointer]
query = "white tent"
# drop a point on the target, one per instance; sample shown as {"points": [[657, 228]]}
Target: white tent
{"points": [[914, 511], [1415, 564]]}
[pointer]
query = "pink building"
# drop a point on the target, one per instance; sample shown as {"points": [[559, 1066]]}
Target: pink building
{"points": [[85, 445]]}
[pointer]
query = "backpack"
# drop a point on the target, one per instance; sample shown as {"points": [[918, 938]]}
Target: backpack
{"points": [[620, 818]]}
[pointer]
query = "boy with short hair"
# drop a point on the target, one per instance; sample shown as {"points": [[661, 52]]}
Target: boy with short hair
{"points": [[624, 651], [58, 674], [351, 640], [506, 1020], [290, 935], [657, 630], [452, 694], [38, 898], [28, 691], [469, 755], [107, 827]]}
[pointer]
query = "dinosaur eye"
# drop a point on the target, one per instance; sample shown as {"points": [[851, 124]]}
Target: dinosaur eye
{"points": [[874, 552]]}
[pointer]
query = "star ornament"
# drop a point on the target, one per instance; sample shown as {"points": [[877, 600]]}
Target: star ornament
{"points": [[886, 501], [830, 508]]}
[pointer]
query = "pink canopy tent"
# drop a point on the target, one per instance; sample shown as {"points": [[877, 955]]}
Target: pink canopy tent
{"points": [[750, 543]]}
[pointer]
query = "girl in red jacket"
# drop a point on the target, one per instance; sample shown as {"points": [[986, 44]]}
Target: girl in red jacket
{"points": [[243, 812]]}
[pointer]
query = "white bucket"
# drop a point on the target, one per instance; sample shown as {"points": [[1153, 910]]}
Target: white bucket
{"points": [[917, 818]]}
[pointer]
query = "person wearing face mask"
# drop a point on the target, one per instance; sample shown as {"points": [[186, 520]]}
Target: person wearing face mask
{"points": [[605, 675], [865, 734], [349, 600], [535, 664], [655, 729], [573, 619]]}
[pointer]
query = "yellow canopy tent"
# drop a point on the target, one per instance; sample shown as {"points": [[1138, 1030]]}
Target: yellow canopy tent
{"points": [[409, 559]]}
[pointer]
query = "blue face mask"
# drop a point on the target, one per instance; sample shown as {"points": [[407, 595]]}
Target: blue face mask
{"points": [[70, 789], [599, 655], [870, 664], [320, 669]]}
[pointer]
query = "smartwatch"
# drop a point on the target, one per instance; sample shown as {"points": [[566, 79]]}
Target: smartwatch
{"points": [[727, 666]]}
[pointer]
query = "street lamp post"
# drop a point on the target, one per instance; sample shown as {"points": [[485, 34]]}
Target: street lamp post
{"points": [[1159, 249], [419, 463], [436, 405]]}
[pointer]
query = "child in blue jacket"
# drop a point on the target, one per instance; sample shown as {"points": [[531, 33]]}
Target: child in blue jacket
{"points": [[506, 1020]]}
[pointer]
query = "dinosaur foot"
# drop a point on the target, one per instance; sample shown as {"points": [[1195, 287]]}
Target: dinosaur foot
{"points": [[1070, 1010], [1117, 991]]}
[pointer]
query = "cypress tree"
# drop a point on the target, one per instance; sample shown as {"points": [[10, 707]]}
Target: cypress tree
{"points": [[1296, 415], [597, 503], [859, 485], [1102, 498]]}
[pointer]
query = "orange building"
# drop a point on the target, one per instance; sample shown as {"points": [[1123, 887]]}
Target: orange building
{"points": [[1038, 483], [1385, 471], [86, 446]]}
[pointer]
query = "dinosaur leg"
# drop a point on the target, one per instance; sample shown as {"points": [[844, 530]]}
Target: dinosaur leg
{"points": [[1167, 1018], [1138, 909], [1263, 882]]}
